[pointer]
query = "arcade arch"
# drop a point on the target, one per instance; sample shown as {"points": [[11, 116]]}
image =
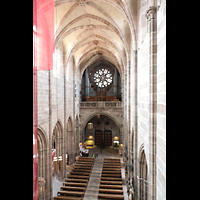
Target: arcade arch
{"points": [[70, 141], [43, 161], [143, 176], [106, 129]]}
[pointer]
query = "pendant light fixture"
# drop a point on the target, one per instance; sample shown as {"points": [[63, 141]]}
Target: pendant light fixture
{"points": [[90, 125], [98, 116]]}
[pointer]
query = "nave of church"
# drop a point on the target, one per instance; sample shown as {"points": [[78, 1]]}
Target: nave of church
{"points": [[99, 87], [94, 184]]}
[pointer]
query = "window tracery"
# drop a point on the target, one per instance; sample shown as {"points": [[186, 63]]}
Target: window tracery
{"points": [[102, 78]]}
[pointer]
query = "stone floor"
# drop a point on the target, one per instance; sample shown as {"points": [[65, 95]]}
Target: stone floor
{"points": [[93, 184]]}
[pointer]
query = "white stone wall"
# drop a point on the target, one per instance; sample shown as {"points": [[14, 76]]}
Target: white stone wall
{"points": [[141, 95], [161, 102], [56, 98]]}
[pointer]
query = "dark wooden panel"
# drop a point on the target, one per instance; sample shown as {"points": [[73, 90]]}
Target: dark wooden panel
{"points": [[98, 137], [108, 138]]}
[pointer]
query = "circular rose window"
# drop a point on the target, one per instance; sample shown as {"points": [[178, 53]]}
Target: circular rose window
{"points": [[102, 78]]}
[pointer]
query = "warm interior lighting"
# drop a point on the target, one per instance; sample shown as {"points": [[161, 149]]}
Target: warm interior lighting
{"points": [[116, 138], [91, 137]]}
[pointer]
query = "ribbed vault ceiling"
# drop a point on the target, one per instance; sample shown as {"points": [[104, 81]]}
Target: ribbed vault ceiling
{"points": [[94, 30]]}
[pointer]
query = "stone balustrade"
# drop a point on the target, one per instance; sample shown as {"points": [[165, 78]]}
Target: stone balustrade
{"points": [[101, 104]]}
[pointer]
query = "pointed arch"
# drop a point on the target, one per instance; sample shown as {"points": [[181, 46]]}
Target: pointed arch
{"points": [[57, 137], [84, 123], [69, 124], [143, 175], [70, 141], [43, 158]]}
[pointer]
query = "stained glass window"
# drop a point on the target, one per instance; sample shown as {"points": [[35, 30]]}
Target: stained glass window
{"points": [[103, 78]]}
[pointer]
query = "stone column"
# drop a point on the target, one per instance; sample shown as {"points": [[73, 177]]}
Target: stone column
{"points": [[135, 142], [50, 192], [76, 138], [87, 83], [129, 119], [151, 14], [64, 129], [115, 83]]}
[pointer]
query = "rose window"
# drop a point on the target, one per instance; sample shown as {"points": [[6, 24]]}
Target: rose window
{"points": [[103, 78]]}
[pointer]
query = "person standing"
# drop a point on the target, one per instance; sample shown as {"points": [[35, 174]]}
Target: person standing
{"points": [[96, 154]]}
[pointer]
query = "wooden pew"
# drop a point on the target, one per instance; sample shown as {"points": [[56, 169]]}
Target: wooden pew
{"points": [[74, 184], [71, 188], [113, 161], [111, 165], [110, 191], [116, 159], [82, 167], [71, 193], [111, 169], [111, 175], [110, 179], [81, 170], [77, 177], [76, 180], [80, 173], [67, 198], [110, 196], [85, 162], [111, 182], [111, 172], [118, 187]]}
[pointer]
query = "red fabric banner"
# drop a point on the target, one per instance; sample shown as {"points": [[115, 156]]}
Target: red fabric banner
{"points": [[35, 145], [43, 48], [45, 35]]}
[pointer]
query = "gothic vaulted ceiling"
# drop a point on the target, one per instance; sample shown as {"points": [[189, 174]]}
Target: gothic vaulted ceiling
{"points": [[93, 30]]}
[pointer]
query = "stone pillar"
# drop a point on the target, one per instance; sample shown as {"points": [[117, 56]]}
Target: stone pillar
{"points": [[135, 141], [50, 192], [151, 14], [129, 120], [71, 148], [115, 83], [77, 139], [65, 131], [63, 174], [46, 177], [87, 83]]}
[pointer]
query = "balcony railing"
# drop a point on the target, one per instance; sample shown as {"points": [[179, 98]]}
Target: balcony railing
{"points": [[101, 104]]}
